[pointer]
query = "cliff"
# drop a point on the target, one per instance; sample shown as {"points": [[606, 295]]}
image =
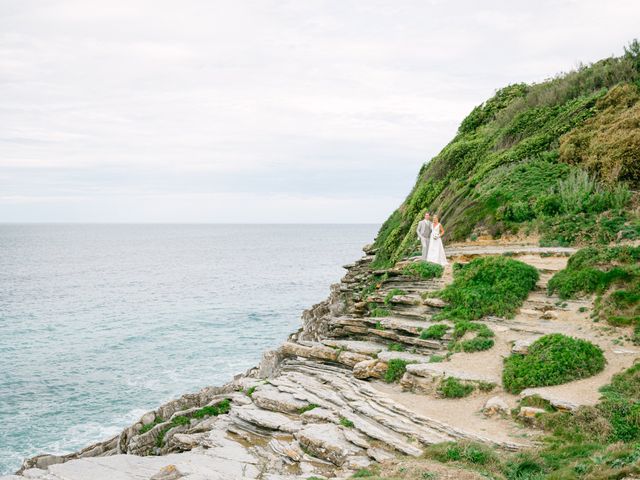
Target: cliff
{"points": [[411, 371]]}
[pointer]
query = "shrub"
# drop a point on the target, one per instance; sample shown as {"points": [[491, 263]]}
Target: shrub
{"points": [[435, 331], [494, 285], [552, 360], [423, 270], [451, 387], [469, 452], [612, 273], [396, 347], [395, 370]]}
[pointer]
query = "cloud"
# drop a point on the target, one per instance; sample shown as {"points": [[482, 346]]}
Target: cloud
{"points": [[323, 103]]}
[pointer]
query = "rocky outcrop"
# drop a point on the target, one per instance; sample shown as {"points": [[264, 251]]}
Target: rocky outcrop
{"points": [[319, 404]]}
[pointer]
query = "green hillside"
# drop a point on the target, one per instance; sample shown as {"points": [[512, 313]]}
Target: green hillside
{"points": [[559, 159]]}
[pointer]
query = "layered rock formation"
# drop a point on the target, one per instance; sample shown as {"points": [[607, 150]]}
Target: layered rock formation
{"points": [[319, 406]]}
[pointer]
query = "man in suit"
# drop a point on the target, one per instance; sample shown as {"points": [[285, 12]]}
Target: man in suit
{"points": [[424, 234]]}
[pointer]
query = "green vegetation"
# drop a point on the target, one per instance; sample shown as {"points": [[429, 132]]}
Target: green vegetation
{"points": [[494, 285], [423, 270], [435, 331], [375, 311], [345, 422], [249, 391], [392, 293], [307, 408], [613, 274], [396, 347], [219, 408], [552, 360], [395, 370], [145, 428], [451, 387], [518, 158]]}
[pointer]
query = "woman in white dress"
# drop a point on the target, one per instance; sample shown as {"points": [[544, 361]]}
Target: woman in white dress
{"points": [[436, 250]]}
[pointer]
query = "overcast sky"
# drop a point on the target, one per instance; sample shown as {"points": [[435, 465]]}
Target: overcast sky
{"points": [[259, 111]]}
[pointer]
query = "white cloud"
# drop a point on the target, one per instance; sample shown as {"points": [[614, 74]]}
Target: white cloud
{"points": [[324, 104]]}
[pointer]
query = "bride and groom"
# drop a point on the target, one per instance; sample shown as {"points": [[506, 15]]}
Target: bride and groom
{"points": [[430, 235]]}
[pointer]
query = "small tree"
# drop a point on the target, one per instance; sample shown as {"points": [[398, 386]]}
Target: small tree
{"points": [[632, 52]]}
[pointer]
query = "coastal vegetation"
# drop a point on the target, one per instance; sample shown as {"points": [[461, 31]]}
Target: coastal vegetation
{"points": [[557, 159], [551, 360], [494, 285], [613, 275], [395, 370], [423, 270]]}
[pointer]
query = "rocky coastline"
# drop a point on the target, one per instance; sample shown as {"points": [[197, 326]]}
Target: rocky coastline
{"points": [[319, 405]]}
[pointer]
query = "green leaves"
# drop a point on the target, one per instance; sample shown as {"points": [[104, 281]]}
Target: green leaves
{"points": [[552, 360]]}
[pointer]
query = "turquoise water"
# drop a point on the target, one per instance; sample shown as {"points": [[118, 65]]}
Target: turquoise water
{"points": [[100, 323]]}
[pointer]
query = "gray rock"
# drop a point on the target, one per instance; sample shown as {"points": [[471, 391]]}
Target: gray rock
{"points": [[327, 441], [495, 405], [170, 472]]}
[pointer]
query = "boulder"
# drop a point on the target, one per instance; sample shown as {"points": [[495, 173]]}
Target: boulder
{"points": [[170, 472], [434, 302], [270, 398], [369, 368], [496, 405], [530, 412], [521, 346]]}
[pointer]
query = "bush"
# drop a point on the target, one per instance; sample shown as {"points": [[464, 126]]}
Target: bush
{"points": [[436, 331], [451, 387], [376, 312], [494, 285], [423, 270], [395, 370], [396, 347], [552, 360], [612, 273]]}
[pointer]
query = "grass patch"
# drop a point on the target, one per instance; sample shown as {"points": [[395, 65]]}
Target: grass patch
{"points": [[396, 347], [395, 370], [552, 360], [249, 391], [378, 312], [451, 387], [220, 408], [148, 426], [345, 422], [307, 408], [423, 270], [436, 331], [392, 293], [494, 285]]}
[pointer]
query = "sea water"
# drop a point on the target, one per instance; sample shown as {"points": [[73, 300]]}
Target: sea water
{"points": [[100, 323]]}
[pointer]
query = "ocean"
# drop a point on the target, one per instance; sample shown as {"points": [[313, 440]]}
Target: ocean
{"points": [[100, 323]]}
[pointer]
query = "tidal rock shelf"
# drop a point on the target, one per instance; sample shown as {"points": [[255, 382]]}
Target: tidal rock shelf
{"points": [[324, 405]]}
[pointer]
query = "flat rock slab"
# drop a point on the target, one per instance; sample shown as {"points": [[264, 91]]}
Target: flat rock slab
{"points": [[365, 348], [326, 441], [406, 356], [554, 400], [430, 370], [266, 419], [271, 398]]}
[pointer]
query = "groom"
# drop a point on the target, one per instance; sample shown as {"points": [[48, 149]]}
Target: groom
{"points": [[424, 234]]}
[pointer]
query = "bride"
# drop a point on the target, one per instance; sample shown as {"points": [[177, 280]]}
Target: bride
{"points": [[436, 250]]}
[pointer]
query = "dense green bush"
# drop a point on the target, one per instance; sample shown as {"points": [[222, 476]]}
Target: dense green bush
{"points": [[451, 387], [395, 370], [552, 360], [423, 270], [488, 286], [613, 273], [435, 331]]}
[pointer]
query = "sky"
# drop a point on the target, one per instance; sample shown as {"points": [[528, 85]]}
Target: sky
{"points": [[260, 111]]}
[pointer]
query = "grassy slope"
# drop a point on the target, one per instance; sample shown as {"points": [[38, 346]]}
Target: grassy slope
{"points": [[518, 162]]}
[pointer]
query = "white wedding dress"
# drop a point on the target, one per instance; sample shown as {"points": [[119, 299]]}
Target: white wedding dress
{"points": [[436, 250]]}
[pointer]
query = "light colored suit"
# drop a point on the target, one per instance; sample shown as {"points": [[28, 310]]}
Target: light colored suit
{"points": [[424, 234]]}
